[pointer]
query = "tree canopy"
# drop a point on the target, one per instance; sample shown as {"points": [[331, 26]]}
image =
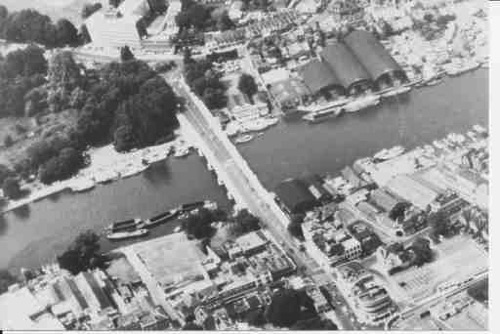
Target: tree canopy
{"points": [[295, 226], [89, 9], [126, 54], [11, 188], [244, 222], [285, 307], [422, 250], [199, 224], [6, 278], [247, 86], [82, 254]]}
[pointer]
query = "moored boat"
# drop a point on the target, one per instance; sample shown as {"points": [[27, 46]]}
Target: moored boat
{"points": [[115, 236], [243, 139], [362, 103], [161, 218], [126, 225], [322, 114], [82, 185], [387, 154]]}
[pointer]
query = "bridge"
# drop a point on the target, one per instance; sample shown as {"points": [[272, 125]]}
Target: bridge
{"points": [[233, 172]]}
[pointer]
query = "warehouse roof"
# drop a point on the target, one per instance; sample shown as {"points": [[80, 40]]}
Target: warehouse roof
{"points": [[294, 195], [344, 64], [317, 75], [372, 54]]}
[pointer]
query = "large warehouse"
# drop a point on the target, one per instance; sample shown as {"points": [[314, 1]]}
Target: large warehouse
{"points": [[383, 69], [356, 65], [349, 70]]}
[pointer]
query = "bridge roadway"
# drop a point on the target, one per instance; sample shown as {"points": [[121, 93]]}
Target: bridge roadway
{"points": [[245, 188], [231, 169]]}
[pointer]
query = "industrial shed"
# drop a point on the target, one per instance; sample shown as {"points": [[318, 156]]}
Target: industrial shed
{"points": [[377, 61], [319, 78], [294, 196], [350, 72]]}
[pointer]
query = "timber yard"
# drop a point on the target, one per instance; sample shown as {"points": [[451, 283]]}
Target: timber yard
{"points": [[394, 240]]}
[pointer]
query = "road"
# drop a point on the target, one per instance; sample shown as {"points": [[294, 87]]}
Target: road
{"points": [[246, 189]]}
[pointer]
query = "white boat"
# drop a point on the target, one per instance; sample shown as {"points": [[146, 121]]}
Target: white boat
{"points": [[181, 152], [395, 91], [321, 115], [361, 103], [114, 236], [317, 107], [256, 125], [433, 82], [272, 121], [387, 154], [177, 229], [243, 139], [479, 129], [82, 185]]}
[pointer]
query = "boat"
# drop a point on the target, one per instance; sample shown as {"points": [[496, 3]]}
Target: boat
{"points": [[260, 134], [433, 82], [395, 91], [197, 205], [255, 125], [322, 114], [272, 121], [387, 154], [126, 225], [115, 236], [161, 218], [82, 185], [361, 103], [479, 129], [316, 107], [181, 152], [177, 229], [243, 139]]}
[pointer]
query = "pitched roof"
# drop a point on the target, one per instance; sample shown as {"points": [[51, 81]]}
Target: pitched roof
{"points": [[317, 75]]}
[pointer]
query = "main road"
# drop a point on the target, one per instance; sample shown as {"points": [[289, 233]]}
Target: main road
{"points": [[243, 185]]}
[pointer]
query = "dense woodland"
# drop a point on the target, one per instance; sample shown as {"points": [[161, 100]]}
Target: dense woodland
{"points": [[126, 103]]}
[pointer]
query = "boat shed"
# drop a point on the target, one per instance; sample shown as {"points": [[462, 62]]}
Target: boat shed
{"points": [[375, 58], [319, 77], [347, 68], [295, 197]]}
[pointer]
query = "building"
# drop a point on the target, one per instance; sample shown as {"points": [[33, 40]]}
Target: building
{"points": [[368, 298], [350, 72], [295, 197], [383, 69], [393, 257], [347, 12], [320, 79], [383, 199], [364, 234], [117, 27], [329, 245], [21, 310], [412, 191]]}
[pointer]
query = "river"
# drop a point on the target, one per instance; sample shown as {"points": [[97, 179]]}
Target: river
{"points": [[293, 148]]}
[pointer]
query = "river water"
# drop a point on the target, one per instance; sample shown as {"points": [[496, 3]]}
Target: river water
{"points": [[293, 148]]}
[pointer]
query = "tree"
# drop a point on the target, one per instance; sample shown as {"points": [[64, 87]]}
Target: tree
{"points": [[25, 62], [11, 188], [114, 3], [84, 36], [295, 226], [66, 33], [256, 318], [157, 6], [423, 252], [244, 222], [315, 323], [8, 141], [285, 307], [64, 71], [5, 172], [398, 211], [199, 224], [6, 279], [247, 86], [4, 12], [126, 54], [224, 22], [28, 25], [89, 9], [82, 254], [124, 139], [62, 166]]}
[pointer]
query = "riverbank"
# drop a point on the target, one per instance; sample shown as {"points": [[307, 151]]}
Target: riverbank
{"points": [[106, 165]]}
